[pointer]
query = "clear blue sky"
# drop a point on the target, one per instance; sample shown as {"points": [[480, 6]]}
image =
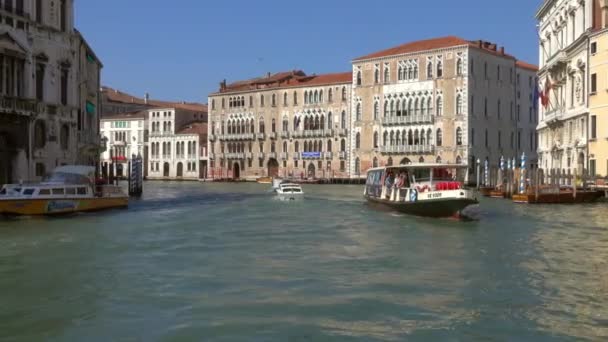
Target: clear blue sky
{"points": [[182, 49]]}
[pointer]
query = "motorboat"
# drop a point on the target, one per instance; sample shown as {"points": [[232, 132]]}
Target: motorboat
{"points": [[289, 191], [431, 190], [69, 189]]}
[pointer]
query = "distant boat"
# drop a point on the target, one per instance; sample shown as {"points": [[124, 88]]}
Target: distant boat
{"points": [[69, 189], [264, 180], [289, 191], [429, 190]]}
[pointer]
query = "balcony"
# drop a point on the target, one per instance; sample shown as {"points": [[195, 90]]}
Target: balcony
{"points": [[248, 155], [296, 156], [160, 134], [272, 155], [212, 137], [272, 135], [119, 143], [329, 132], [20, 106], [284, 156], [329, 155], [211, 156], [554, 115], [342, 155], [237, 137], [403, 149], [298, 134], [285, 135], [342, 132], [408, 120], [235, 155], [261, 155], [261, 136]]}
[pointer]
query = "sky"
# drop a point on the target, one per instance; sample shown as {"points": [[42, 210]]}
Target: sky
{"points": [[182, 49]]}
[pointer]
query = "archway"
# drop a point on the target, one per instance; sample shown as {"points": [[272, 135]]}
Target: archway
{"points": [[166, 170], [405, 161], [236, 171], [273, 168], [180, 170], [311, 170]]}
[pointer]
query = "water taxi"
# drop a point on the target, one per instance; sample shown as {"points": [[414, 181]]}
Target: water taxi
{"points": [[69, 189], [431, 190], [289, 191]]}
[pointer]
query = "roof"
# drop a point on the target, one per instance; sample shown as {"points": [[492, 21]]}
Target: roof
{"points": [[437, 43], [115, 95], [135, 115], [199, 128], [285, 79], [528, 66]]}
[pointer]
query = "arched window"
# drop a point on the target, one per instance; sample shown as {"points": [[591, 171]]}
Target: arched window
{"points": [[357, 166], [305, 97], [416, 137], [385, 109], [376, 109], [385, 139], [343, 93], [392, 111], [322, 121], [358, 112], [343, 120], [422, 107], [409, 107], [375, 162], [416, 107], [358, 140], [422, 137], [421, 160], [398, 138], [284, 146], [295, 98], [296, 146], [274, 100], [410, 138], [343, 145], [459, 67], [429, 137], [316, 97], [459, 136], [262, 101], [404, 137], [438, 160], [358, 77], [317, 123], [392, 139], [330, 95], [285, 99], [439, 69], [429, 105], [389, 162], [376, 76], [330, 121], [439, 138], [65, 136], [261, 126], [273, 147], [252, 126], [429, 70], [273, 126], [387, 74], [375, 139], [39, 134], [329, 145], [459, 104], [398, 107], [321, 96]]}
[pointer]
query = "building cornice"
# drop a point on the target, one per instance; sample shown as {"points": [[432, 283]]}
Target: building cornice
{"points": [[409, 54], [544, 7], [253, 91]]}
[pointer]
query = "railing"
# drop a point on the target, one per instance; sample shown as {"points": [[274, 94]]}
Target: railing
{"points": [[160, 134], [248, 155], [235, 156], [408, 149], [272, 135], [261, 155], [284, 156], [408, 119], [329, 132], [285, 135], [296, 155], [555, 113], [329, 155], [272, 155], [237, 137], [18, 105], [342, 154], [261, 136], [342, 132]]}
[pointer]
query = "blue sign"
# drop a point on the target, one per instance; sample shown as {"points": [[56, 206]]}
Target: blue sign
{"points": [[311, 154]]}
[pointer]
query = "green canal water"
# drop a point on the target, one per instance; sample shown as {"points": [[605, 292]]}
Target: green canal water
{"points": [[228, 262]]}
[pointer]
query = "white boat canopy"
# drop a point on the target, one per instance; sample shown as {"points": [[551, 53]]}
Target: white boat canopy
{"points": [[421, 166], [82, 170]]}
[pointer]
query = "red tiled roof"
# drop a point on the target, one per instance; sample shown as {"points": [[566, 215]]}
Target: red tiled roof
{"points": [[115, 95], [420, 45], [135, 115], [528, 66], [199, 128], [287, 79], [437, 43]]}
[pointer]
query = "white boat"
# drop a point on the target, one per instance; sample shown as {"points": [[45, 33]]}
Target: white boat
{"points": [[432, 190], [289, 191], [69, 189]]}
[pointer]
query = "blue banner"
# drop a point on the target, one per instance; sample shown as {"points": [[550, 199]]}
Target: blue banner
{"points": [[311, 154]]}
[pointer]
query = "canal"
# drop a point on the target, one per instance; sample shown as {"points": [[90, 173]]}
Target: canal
{"points": [[228, 262]]}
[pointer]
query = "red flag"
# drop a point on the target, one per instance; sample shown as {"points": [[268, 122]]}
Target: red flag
{"points": [[545, 97]]}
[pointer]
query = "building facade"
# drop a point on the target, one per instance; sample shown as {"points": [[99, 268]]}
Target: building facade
{"points": [[564, 29], [49, 91], [598, 98], [124, 135], [177, 143], [287, 124], [445, 100]]}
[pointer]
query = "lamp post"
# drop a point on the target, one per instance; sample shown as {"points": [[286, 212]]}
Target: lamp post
{"points": [[478, 167]]}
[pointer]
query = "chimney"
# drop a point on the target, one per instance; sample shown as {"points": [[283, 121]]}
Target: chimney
{"points": [[268, 75], [502, 50], [479, 44], [146, 98]]}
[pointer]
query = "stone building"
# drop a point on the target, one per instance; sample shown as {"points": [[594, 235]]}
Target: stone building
{"points": [[598, 97], [288, 124], [177, 143], [124, 135], [49, 83], [444, 100], [564, 30]]}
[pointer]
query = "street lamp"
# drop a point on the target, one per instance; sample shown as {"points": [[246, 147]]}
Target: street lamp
{"points": [[478, 166]]}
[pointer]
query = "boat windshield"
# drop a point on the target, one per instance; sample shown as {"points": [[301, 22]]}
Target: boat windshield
{"points": [[67, 178]]}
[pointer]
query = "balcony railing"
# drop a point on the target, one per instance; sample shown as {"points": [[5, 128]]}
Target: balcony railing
{"points": [[237, 137], [272, 135], [18, 105], [329, 155], [554, 114], [342, 132], [408, 119], [248, 155], [407, 149], [342, 154], [285, 135], [296, 155], [284, 156], [235, 156], [329, 132], [261, 155], [160, 134], [261, 136]]}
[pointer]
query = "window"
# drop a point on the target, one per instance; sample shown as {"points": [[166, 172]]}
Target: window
{"points": [[358, 78], [330, 95], [285, 99], [376, 110], [593, 127], [213, 104], [58, 191], [358, 112], [429, 70], [593, 83], [295, 98], [593, 48], [250, 101], [39, 134], [498, 109], [592, 168], [343, 120], [40, 81], [274, 100], [64, 87], [485, 107], [375, 139], [358, 140], [459, 104], [65, 137], [459, 136], [63, 16], [387, 74], [439, 68], [39, 11], [486, 138], [439, 137], [459, 67], [439, 106], [261, 100], [343, 93], [357, 166], [377, 74]]}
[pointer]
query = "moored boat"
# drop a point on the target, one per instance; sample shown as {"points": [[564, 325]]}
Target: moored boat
{"points": [[430, 190], [69, 189]]}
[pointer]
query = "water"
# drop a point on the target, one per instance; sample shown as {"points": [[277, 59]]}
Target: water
{"points": [[230, 263]]}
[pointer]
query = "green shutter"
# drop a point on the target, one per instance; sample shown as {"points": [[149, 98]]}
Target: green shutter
{"points": [[90, 108], [90, 58]]}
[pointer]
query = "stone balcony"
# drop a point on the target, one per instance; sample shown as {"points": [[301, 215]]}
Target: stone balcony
{"points": [[261, 136], [411, 149], [408, 120], [285, 135], [235, 155], [284, 156], [19, 106], [237, 137], [342, 132], [342, 155], [329, 155], [555, 114]]}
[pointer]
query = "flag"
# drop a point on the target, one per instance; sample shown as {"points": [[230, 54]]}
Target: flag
{"points": [[546, 93]]}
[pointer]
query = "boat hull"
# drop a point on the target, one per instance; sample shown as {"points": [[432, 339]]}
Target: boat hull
{"points": [[37, 207], [430, 208]]}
